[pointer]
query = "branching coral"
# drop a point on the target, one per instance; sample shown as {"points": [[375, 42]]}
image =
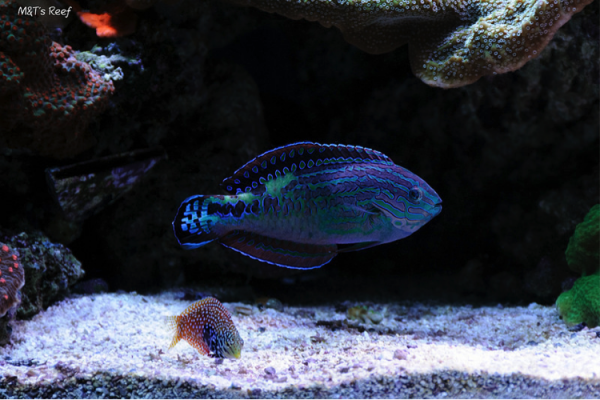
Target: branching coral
{"points": [[451, 42], [47, 96], [12, 279]]}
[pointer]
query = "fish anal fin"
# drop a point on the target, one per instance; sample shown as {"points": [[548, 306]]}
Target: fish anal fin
{"points": [[283, 253], [358, 246], [297, 158]]}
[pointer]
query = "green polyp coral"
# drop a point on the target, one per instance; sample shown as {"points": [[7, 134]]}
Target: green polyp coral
{"points": [[451, 42], [581, 304], [584, 246]]}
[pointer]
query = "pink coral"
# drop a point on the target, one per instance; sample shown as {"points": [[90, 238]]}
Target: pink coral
{"points": [[47, 96]]}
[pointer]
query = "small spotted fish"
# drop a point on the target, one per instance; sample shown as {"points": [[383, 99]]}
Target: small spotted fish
{"points": [[207, 326], [299, 205]]}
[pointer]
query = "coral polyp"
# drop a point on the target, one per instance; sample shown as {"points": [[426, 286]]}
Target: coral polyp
{"points": [[12, 278]]}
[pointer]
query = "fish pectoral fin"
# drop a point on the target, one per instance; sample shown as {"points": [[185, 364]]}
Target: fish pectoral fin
{"points": [[372, 210], [376, 208], [357, 246], [283, 253]]}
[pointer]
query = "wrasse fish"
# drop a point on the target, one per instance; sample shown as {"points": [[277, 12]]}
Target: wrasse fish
{"points": [[295, 205], [207, 326]]}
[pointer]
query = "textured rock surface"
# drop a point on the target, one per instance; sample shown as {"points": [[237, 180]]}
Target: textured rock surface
{"points": [[12, 279], [50, 269]]}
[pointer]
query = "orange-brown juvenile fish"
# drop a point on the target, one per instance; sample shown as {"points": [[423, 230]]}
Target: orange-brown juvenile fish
{"points": [[207, 326]]}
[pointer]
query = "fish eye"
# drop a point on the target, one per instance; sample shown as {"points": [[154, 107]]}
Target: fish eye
{"points": [[415, 194]]}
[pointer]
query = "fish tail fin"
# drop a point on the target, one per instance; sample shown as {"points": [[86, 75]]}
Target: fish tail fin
{"points": [[172, 324], [193, 226]]}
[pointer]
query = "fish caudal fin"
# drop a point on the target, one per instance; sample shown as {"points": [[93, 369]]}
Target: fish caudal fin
{"points": [[280, 252], [172, 324], [192, 225]]}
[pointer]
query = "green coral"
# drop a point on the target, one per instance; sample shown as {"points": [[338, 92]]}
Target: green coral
{"points": [[582, 302], [582, 251]]}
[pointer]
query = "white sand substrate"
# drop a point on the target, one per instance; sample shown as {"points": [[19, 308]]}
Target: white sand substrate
{"points": [[126, 334]]}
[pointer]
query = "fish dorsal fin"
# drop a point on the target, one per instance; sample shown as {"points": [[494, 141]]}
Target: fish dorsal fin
{"points": [[297, 158]]}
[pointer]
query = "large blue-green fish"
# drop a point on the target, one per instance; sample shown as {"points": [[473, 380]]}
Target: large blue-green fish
{"points": [[299, 205]]}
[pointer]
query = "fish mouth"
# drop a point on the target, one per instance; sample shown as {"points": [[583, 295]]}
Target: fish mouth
{"points": [[233, 354], [437, 209]]}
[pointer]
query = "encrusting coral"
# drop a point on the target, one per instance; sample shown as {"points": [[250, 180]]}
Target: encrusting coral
{"points": [[47, 96], [12, 279], [451, 42], [581, 304]]}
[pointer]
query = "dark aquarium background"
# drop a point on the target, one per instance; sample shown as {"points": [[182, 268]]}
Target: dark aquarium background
{"points": [[515, 157]]}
